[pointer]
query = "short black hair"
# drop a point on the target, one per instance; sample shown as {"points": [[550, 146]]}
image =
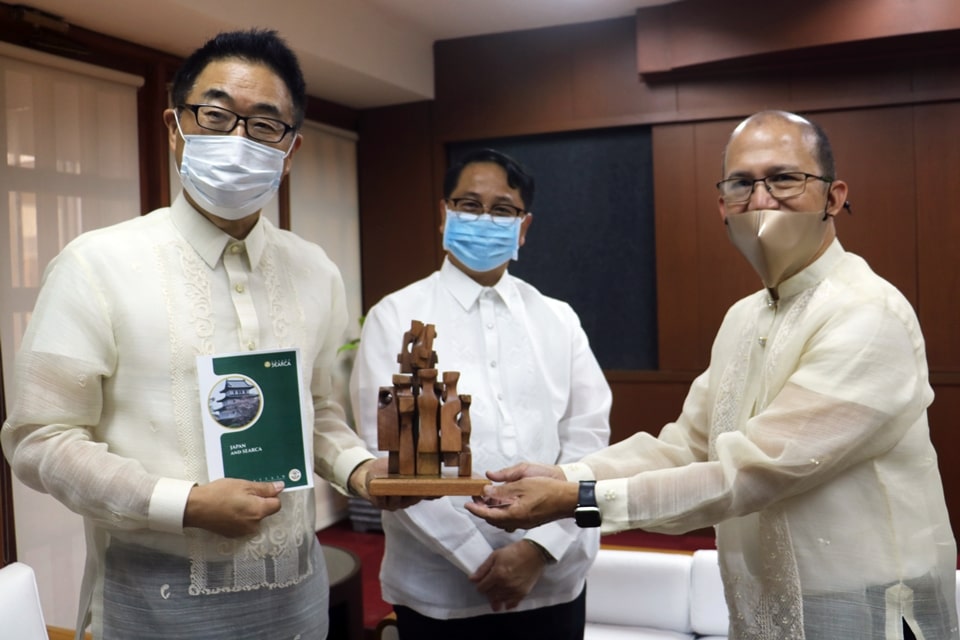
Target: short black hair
{"points": [[517, 176], [261, 46], [823, 151]]}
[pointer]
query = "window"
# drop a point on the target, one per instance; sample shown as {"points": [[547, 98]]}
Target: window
{"points": [[69, 133]]}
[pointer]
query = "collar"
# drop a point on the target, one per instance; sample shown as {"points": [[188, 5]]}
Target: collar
{"points": [[467, 291], [208, 240], [814, 273]]}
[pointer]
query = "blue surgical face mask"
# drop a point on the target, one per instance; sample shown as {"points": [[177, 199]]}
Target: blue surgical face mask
{"points": [[479, 242]]}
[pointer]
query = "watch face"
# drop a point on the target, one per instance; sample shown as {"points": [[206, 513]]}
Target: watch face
{"points": [[587, 516]]}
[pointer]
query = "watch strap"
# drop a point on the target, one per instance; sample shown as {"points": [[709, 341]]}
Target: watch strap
{"points": [[588, 494]]}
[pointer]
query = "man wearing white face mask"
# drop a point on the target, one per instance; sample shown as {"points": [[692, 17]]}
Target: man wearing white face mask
{"points": [[536, 391], [107, 416], [805, 442]]}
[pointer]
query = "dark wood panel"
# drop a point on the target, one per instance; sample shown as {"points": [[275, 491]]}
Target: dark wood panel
{"points": [[579, 77], [644, 406], [152, 134], [874, 150], [8, 538], [676, 216], [604, 80], [696, 32], [501, 77], [333, 114], [937, 192], [399, 217]]}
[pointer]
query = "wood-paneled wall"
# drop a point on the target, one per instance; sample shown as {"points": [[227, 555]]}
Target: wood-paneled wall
{"points": [[890, 104]]}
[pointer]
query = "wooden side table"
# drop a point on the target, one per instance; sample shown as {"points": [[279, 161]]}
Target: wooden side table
{"points": [[346, 593]]}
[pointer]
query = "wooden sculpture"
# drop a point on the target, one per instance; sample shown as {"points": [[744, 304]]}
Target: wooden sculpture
{"points": [[424, 424]]}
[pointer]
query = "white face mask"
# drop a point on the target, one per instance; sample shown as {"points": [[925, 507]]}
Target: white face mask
{"points": [[230, 176], [776, 243]]}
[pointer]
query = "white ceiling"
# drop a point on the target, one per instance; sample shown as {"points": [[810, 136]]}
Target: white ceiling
{"points": [[359, 53]]}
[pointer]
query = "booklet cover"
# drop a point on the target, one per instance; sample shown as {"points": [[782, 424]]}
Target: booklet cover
{"points": [[252, 419]]}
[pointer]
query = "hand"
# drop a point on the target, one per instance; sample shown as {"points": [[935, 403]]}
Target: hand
{"points": [[232, 507], [360, 484], [508, 574], [526, 470], [526, 503]]}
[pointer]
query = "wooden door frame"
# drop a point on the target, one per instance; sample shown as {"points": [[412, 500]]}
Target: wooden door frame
{"points": [[8, 539]]}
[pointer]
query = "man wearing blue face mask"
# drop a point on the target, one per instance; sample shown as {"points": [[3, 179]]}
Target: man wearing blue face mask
{"points": [[107, 416], [537, 391]]}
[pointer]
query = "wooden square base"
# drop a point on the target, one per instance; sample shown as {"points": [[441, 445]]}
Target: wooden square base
{"points": [[426, 486]]}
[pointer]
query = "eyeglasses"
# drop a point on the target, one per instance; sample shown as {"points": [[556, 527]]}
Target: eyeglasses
{"points": [[223, 120], [501, 213], [779, 186]]}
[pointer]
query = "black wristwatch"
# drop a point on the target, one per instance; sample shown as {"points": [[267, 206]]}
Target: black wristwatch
{"points": [[587, 513]]}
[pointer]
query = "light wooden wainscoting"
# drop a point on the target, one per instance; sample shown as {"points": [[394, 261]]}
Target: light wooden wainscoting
{"points": [[56, 633]]}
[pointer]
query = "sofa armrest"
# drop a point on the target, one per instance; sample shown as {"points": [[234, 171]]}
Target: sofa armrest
{"points": [[20, 614]]}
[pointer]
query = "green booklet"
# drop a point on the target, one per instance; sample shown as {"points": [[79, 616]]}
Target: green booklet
{"points": [[253, 421]]}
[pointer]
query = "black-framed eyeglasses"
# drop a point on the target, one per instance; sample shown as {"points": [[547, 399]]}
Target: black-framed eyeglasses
{"points": [[259, 128], [780, 186], [501, 213]]}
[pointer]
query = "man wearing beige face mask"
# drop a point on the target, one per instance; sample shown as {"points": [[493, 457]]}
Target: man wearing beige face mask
{"points": [[805, 442], [782, 228]]}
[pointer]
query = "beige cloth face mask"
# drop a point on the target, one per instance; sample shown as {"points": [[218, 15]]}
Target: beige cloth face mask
{"points": [[776, 243]]}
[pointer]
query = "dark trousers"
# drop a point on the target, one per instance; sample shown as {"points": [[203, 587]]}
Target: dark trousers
{"points": [[907, 633], [559, 622]]}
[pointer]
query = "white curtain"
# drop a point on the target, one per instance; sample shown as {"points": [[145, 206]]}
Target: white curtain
{"points": [[70, 135], [72, 164], [324, 209], [324, 203]]}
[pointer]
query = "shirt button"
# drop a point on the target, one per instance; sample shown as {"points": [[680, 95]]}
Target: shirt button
{"points": [[251, 345], [239, 288], [235, 248], [489, 325], [493, 364]]}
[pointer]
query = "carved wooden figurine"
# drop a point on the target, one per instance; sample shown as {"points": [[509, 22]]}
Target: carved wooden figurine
{"points": [[422, 355], [449, 429], [428, 449], [407, 408], [405, 357], [466, 457], [388, 428], [422, 422]]}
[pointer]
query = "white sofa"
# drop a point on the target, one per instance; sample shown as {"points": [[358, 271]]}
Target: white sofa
{"points": [[645, 595], [20, 615], [651, 595]]}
